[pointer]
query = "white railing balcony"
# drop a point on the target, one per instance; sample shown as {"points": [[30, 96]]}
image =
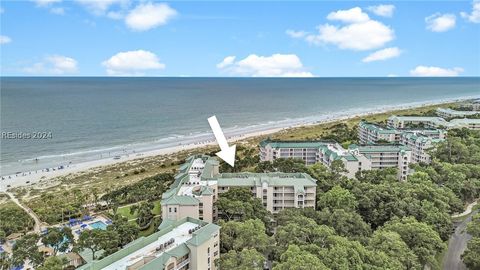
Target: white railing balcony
{"points": [[182, 264]]}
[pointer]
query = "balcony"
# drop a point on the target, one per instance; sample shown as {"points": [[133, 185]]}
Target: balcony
{"points": [[182, 264]]}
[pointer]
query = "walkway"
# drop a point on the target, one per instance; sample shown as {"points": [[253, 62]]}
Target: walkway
{"points": [[37, 226]]}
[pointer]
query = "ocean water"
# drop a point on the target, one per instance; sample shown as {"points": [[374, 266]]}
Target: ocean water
{"points": [[92, 118]]}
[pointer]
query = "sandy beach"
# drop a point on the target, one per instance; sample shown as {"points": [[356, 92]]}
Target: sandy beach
{"points": [[33, 177]]}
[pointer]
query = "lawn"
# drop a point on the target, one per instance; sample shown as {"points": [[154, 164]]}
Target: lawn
{"points": [[125, 210]]}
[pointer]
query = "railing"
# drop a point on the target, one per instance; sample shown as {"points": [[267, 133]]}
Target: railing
{"points": [[182, 264]]}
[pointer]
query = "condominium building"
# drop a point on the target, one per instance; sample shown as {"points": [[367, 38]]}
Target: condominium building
{"points": [[183, 244], [386, 156], [276, 190], [416, 121], [473, 124], [449, 113], [198, 183], [369, 133], [305, 150], [431, 122], [420, 145], [313, 152], [193, 192]]}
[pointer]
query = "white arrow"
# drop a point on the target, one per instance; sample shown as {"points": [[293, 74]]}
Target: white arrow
{"points": [[226, 153]]}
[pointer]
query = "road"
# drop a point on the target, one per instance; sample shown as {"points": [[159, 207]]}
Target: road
{"points": [[37, 227], [457, 245]]}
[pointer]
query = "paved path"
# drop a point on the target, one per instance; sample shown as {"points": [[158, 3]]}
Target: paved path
{"points": [[37, 226], [467, 211], [457, 245]]}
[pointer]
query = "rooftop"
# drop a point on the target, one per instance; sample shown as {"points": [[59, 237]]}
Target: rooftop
{"points": [[377, 128], [370, 148], [151, 252], [457, 113], [298, 180], [294, 144]]}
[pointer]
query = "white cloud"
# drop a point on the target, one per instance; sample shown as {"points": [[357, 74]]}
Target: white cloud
{"points": [[100, 7], [227, 61], [424, 71], [53, 65], [276, 65], [382, 10], [360, 32], [474, 16], [440, 22], [147, 16], [5, 39], [58, 10], [392, 75], [383, 54], [132, 63], [353, 15], [44, 3], [296, 34]]}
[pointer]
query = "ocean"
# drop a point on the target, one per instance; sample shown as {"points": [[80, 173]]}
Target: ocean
{"points": [[83, 119]]}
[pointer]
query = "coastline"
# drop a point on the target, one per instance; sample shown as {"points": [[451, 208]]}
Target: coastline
{"points": [[34, 177]]}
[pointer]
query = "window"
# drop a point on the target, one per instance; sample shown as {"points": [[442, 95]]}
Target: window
{"points": [[169, 209], [175, 209], [208, 250]]}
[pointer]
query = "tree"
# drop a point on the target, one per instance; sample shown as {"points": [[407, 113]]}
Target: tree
{"points": [[422, 239], [58, 238], [26, 248], [471, 256], [296, 259], [240, 235], [337, 198], [247, 259], [145, 215], [96, 240], [126, 231], [346, 223], [54, 263], [392, 244], [239, 204]]}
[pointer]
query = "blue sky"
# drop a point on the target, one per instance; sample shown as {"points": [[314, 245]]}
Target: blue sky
{"points": [[325, 39]]}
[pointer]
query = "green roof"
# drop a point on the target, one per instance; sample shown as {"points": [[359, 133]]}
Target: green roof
{"points": [[207, 172], [180, 200], [143, 242], [204, 190], [377, 128], [380, 148], [159, 263], [203, 234], [298, 180], [294, 144]]}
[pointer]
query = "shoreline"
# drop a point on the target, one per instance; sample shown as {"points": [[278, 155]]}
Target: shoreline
{"points": [[33, 177]]}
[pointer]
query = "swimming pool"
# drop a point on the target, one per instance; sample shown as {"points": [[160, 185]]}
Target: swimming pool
{"points": [[98, 225]]}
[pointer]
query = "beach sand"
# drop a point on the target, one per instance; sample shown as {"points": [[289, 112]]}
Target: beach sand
{"points": [[31, 178]]}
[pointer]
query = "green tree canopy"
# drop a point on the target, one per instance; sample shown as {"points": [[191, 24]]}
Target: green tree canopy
{"points": [[247, 259]]}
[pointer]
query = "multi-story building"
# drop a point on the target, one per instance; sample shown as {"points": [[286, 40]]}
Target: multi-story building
{"points": [[386, 156], [305, 150], [198, 183], [313, 152], [183, 244], [369, 133], [416, 122], [192, 194], [431, 122], [466, 123], [372, 133], [420, 146], [449, 113], [276, 190]]}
